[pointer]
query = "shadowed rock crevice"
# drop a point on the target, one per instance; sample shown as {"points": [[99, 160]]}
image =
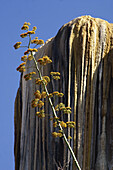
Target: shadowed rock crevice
{"points": [[82, 52]]}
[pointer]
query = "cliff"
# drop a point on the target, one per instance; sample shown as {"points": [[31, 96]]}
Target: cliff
{"points": [[82, 51]]}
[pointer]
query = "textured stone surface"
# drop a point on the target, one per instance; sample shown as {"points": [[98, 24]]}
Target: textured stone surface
{"points": [[82, 52]]}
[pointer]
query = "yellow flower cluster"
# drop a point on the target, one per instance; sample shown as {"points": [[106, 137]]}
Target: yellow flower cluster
{"points": [[23, 35], [21, 67], [71, 124], [30, 50], [39, 95], [55, 134], [34, 103], [61, 106], [30, 57], [41, 114], [56, 93], [40, 104], [67, 110], [55, 75], [69, 137], [45, 80], [29, 76], [44, 94], [31, 32], [36, 41], [17, 45], [50, 95], [44, 60], [37, 103], [24, 58], [34, 28], [39, 81], [63, 124], [26, 27]]}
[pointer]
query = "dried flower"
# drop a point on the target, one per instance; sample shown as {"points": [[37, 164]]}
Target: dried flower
{"points": [[55, 93], [25, 27], [41, 114], [17, 45], [40, 42], [40, 60], [25, 23], [54, 134], [30, 57], [23, 35], [40, 104], [55, 73], [57, 108], [24, 58], [44, 81], [67, 111], [63, 124], [60, 95], [61, 105], [31, 73], [62, 108], [21, 67], [38, 81], [50, 95], [34, 28], [69, 137], [45, 60], [34, 103], [71, 124], [44, 94], [31, 32], [37, 94], [28, 23], [30, 50], [68, 108], [56, 77], [46, 78], [34, 50], [27, 77], [59, 135], [26, 52]]}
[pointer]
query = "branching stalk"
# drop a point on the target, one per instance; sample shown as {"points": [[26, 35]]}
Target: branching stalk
{"points": [[55, 115]]}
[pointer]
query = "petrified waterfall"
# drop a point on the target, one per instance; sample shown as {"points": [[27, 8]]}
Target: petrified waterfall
{"points": [[82, 51]]}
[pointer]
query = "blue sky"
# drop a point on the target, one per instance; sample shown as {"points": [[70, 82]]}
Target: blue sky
{"points": [[48, 16]]}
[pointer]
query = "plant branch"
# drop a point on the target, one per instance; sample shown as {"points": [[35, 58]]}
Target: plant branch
{"points": [[55, 115]]}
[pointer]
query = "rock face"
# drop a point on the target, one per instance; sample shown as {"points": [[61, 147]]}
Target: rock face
{"points": [[82, 52]]}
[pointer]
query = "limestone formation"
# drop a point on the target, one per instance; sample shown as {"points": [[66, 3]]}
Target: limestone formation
{"points": [[82, 51]]}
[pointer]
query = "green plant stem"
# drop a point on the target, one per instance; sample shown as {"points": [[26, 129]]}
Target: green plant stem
{"points": [[55, 115]]}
